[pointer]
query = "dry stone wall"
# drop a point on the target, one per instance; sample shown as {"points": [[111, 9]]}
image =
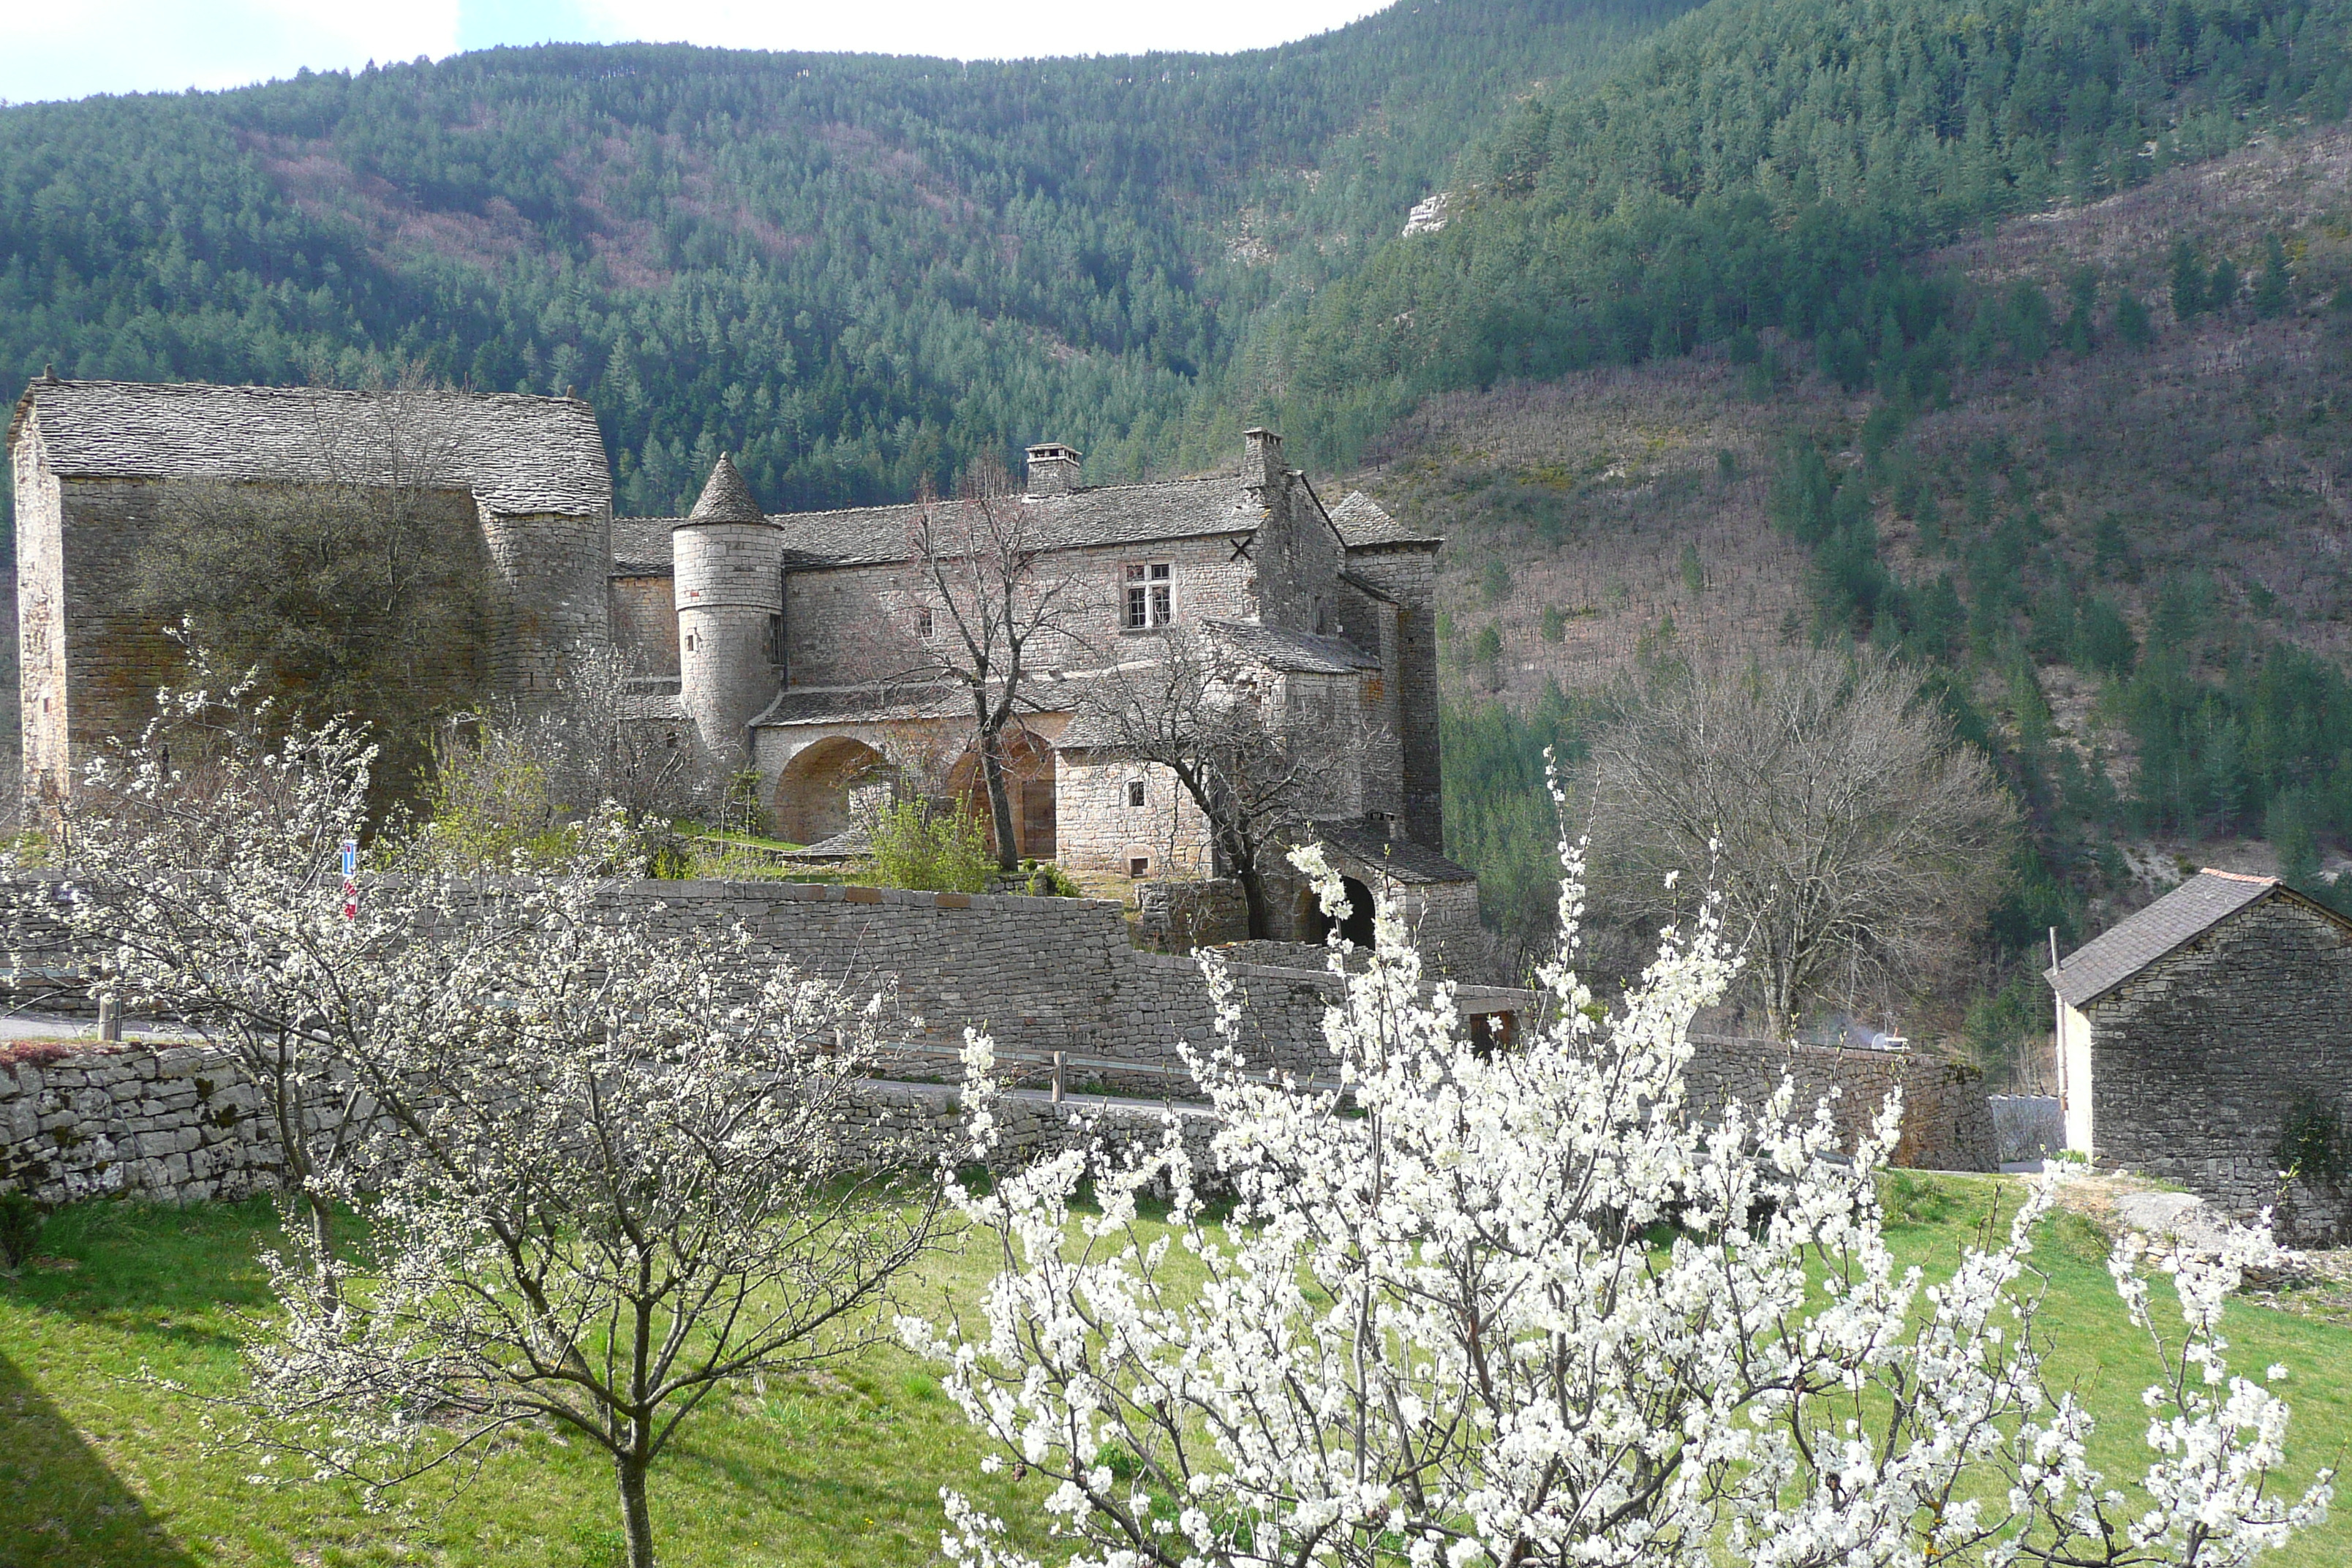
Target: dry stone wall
{"points": [[176, 1124], [173, 1123], [1042, 975], [1947, 1119]]}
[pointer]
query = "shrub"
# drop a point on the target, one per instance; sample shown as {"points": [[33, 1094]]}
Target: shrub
{"points": [[20, 1229], [918, 845], [2312, 1143], [1047, 881]]}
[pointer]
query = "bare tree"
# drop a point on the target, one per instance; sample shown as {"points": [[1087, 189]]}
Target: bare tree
{"points": [[1216, 720], [988, 603], [1857, 843], [520, 777]]}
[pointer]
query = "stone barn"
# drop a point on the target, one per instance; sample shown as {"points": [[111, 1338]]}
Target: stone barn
{"points": [[2208, 1040], [97, 464]]}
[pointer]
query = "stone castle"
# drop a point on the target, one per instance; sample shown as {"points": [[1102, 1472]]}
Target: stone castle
{"points": [[780, 643]]}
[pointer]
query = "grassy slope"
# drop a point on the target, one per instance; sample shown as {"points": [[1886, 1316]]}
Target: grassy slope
{"points": [[95, 1469]]}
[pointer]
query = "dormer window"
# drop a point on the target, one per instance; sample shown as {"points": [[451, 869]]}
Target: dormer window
{"points": [[1150, 598]]}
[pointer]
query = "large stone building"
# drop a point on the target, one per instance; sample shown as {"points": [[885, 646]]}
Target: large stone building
{"points": [[788, 641], [97, 464], [782, 643], [2208, 1040]]}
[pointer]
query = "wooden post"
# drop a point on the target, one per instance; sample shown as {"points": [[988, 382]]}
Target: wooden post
{"points": [[110, 1019]]}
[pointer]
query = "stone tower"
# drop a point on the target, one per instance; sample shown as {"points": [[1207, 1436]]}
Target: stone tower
{"points": [[729, 565]]}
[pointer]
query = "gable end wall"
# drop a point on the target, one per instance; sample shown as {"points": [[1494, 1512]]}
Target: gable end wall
{"points": [[2197, 1061]]}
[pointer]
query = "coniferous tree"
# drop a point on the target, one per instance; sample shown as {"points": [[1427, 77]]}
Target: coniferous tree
{"points": [[2189, 298], [2271, 290]]}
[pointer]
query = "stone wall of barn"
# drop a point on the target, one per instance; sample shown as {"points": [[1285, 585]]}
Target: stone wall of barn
{"points": [[2201, 1062]]}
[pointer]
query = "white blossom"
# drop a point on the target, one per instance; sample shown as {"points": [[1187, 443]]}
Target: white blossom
{"points": [[1530, 1306], [603, 1171]]}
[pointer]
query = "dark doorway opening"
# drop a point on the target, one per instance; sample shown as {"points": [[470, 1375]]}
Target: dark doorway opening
{"points": [[1356, 925]]}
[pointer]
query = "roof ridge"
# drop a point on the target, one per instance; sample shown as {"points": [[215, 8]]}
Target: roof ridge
{"points": [[2182, 914]]}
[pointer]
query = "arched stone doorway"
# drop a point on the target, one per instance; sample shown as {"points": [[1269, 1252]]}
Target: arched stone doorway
{"points": [[1028, 780], [1356, 925], [822, 788]]}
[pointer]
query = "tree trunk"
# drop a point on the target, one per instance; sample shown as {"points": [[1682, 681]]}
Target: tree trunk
{"points": [[1261, 917], [1000, 803], [635, 1519]]}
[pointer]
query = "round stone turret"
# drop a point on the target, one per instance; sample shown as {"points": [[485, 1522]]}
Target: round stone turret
{"points": [[728, 561]]}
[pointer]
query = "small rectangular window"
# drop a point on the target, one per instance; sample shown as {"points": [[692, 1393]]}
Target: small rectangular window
{"points": [[1139, 865], [1149, 597], [1135, 792], [923, 622]]}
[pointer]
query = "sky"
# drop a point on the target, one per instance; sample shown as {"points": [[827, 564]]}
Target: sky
{"points": [[71, 49]]}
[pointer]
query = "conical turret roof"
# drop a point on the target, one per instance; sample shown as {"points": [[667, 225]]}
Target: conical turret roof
{"points": [[726, 498]]}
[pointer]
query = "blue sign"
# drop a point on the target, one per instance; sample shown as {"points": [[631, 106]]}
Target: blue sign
{"points": [[351, 857]]}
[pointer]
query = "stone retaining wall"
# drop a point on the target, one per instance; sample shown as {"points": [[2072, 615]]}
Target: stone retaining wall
{"points": [[1042, 975], [177, 1124], [171, 1122], [1947, 1120]]}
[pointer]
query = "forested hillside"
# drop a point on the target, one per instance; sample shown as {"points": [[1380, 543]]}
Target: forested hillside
{"points": [[2011, 339], [854, 272], [1771, 164], [2116, 532]]}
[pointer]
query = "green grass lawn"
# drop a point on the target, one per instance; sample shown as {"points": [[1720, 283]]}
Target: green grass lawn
{"points": [[95, 1468]]}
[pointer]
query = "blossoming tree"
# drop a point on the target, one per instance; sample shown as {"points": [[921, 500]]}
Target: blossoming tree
{"points": [[604, 1169], [1528, 1307]]}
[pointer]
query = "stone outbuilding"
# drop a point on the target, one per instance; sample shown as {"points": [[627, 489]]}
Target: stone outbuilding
{"points": [[2208, 1040], [98, 463]]}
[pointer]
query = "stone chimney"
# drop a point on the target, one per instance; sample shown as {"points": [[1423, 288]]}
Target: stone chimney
{"points": [[1052, 468], [1263, 473]]}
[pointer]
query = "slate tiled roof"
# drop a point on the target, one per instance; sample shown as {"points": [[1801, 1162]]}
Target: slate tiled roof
{"points": [[1399, 858], [725, 497], [1300, 653], [641, 546], [1362, 525], [516, 454], [2174, 920], [862, 704], [1100, 514]]}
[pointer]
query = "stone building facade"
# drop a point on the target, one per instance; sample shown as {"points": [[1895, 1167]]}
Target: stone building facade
{"points": [[2200, 1039], [784, 643], [97, 464]]}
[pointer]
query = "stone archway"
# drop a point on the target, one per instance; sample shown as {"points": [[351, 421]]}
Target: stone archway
{"points": [[820, 788], [1029, 779], [1356, 925]]}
